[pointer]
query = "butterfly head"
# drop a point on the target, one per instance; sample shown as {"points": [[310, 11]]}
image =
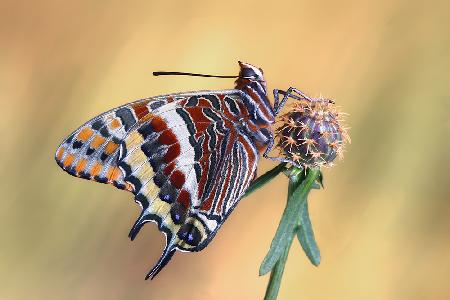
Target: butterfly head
{"points": [[250, 74]]}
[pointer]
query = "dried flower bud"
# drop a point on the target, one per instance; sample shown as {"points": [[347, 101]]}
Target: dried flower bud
{"points": [[311, 133]]}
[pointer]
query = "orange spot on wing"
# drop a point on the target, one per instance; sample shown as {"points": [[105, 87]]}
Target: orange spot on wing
{"points": [[128, 187], [146, 118], [115, 124], [111, 147], [97, 141], [81, 165], [85, 134], [113, 173], [96, 169], [68, 160], [60, 154]]}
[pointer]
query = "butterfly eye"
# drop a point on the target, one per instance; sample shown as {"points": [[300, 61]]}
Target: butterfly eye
{"points": [[248, 73]]}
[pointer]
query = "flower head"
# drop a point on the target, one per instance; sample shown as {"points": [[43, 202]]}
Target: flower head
{"points": [[311, 133]]}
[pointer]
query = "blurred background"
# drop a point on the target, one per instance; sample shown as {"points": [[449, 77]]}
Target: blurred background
{"points": [[382, 222]]}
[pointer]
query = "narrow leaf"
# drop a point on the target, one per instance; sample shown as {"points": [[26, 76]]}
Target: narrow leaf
{"points": [[305, 235], [284, 232], [297, 194], [265, 178]]}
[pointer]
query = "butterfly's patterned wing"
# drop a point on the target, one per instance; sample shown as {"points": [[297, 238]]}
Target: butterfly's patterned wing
{"points": [[183, 156], [189, 164]]}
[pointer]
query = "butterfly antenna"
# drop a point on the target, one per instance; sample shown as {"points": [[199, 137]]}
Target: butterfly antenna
{"points": [[191, 74]]}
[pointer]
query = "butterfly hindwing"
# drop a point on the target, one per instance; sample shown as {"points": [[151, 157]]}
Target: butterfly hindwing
{"points": [[188, 165], [232, 179]]}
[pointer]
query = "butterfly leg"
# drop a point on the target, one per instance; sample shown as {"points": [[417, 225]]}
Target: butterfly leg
{"points": [[289, 93], [277, 106], [283, 160], [269, 148]]}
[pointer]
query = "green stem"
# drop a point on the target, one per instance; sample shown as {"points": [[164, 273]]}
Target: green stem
{"points": [[302, 193], [277, 273], [275, 260]]}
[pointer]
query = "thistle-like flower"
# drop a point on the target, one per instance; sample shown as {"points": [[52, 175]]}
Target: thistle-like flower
{"points": [[312, 133]]}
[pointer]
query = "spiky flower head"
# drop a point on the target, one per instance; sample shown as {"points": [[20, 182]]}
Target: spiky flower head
{"points": [[311, 133]]}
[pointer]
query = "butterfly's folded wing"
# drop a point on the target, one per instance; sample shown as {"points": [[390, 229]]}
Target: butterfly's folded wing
{"points": [[185, 160]]}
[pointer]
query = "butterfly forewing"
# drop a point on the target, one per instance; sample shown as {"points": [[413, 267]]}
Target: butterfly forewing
{"points": [[92, 151]]}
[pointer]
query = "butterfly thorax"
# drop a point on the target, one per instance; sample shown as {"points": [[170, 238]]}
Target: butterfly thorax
{"points": [[260, 114]]}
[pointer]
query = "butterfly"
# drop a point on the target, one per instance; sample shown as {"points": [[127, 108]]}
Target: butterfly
{"points": [[188, 158]]}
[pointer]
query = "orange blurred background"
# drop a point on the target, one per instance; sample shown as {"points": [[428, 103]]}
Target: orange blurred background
{"points": [[382, 222]]}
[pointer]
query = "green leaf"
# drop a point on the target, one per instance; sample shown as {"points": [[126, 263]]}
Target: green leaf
{"points": [[284, 233], [265, 178], [305, 235], [297, 193]]}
